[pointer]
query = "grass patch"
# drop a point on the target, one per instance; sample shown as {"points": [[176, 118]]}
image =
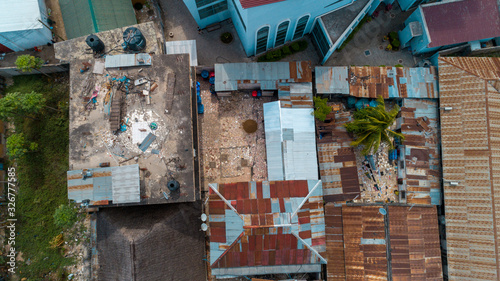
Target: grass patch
{"points": [[354, 31], [42, 176]]}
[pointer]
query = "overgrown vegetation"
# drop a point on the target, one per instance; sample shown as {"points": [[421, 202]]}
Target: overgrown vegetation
{"points": [[27, 63], [65, 216], [371, 127], [354, 31], [41, 175], [281, 53], [321, 108]]}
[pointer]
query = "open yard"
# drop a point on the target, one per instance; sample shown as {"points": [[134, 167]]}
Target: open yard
{"points": [[41, 177]]}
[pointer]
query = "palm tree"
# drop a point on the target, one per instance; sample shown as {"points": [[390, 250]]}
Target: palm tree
{"points": [[371, 127]]}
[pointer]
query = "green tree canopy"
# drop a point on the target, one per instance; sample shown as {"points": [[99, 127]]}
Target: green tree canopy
{"points": [[321, 109], [19, 104], [371, 127], [18, 146], [26, 63], [65, 216]]}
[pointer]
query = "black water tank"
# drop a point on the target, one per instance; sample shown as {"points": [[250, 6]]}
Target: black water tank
{"points": [[134, 40], [95, 43], [173, 185]]}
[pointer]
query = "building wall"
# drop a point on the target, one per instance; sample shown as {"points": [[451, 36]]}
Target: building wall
{"points": [[270, 15], [202, 23], [417, 44], [408, 4]]}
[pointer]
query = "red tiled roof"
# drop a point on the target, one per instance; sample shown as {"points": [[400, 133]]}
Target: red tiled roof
{"points": [[255, 3], [461, 21], [264, 207]]}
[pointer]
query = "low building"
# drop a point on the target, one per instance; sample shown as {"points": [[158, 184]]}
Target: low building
{"points": [[369, 242], [469, 89], [371, 81], [258, 228], [290, 143], [23, 25], [443, 25]]}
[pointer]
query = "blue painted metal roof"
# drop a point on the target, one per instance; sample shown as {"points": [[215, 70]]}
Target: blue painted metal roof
{"points": [[290, 143], [116, 184], [332, 80], [266, 74]]}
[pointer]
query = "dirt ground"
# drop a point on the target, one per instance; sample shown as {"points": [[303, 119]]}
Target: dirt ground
{"points": [[229, 154]]}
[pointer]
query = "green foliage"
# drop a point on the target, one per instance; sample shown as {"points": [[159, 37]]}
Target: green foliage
{"points": [[226, 37], [18, 146], [18, 104], [395, 43], [42, 176], [393, 35], [286, 51], [398, 65], [65, 216], [278, 54], [274, 55], [321, 108], [26, 63], [371, 127]]}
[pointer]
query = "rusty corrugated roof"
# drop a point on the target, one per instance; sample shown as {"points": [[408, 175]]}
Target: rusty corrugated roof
{"points": [[421, 151], [414, 239], [471, 157], [337, 161], [277, 226], [392, 82], [357, 245]]}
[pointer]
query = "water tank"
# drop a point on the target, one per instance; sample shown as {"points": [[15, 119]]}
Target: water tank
{"points": [[133, 39], [95, 43], [173, 185]]}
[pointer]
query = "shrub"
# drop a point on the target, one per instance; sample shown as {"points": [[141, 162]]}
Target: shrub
{"points": [[65, 216], [286, 50], [302, 45], [274, 55], [321, 108], [226, 37], [398, 65], [395, 43], [26, 63], [295, 47], [393, 35]]}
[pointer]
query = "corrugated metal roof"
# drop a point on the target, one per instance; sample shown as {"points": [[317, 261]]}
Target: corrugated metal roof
{"points": [[83, 17], [20, 15], [357, 245], [266, 227], [229, 76], [127, 60], [454, 22], [421, 175], [183, 47], [332, 80], [255, 3], [470, 143], [371, 82], [297, 95], [117, 184], [291, 158], [415, 246], [126, 184], [337, 161]]}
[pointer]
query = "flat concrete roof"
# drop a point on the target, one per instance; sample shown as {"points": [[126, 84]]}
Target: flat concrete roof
{"points": [[338, 21], [170, 155]]}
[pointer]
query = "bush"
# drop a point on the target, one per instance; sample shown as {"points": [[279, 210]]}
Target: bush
{"points": [[286, 51], [274, 55], [295, 47], [226, 37], [302, 45], [399, 65], [321, 108], [393, 35], [395, 43], [65, 216]]}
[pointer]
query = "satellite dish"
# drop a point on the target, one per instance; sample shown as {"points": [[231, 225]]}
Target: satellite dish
{"points": [[203, 217], [204, 226], [382, 211]]}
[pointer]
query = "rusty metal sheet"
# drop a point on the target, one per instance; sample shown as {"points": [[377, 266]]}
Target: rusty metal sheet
{"points": [[469, 86]]}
